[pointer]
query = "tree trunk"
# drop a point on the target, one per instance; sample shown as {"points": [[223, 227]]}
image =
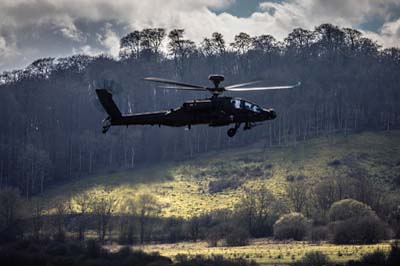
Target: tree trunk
{"points": [[132, 157]]}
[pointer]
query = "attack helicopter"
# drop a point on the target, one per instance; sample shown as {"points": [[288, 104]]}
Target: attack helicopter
{"points": [[215, 111]]}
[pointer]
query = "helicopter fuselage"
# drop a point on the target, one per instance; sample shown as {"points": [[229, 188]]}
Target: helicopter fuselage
{"points": [[215, 111]]}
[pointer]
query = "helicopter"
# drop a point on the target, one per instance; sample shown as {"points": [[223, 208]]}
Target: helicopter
{"points": [[215, 111]]}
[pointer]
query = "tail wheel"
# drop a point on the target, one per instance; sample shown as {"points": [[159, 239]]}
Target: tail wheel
{"points": [[106, 124], [231, 132]]}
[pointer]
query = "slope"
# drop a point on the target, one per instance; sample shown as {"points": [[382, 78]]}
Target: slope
{"points": [[217, 180]]}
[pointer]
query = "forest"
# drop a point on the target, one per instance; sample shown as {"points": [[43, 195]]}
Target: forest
{"points": [[51, 137], [51, 119]]}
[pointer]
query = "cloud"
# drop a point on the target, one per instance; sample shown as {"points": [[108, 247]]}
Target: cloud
{"points": [[87, 50], [7, 51], [345, 13], [109, 40], [38, 28], [388, 35]]}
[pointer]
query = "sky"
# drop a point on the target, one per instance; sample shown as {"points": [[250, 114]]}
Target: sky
{"points": [[32, 29]]}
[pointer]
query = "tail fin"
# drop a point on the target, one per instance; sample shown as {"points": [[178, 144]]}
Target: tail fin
{"points": [[108, 103]]}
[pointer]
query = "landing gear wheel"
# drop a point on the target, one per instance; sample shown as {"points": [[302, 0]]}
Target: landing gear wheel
{"points": [[231, 132]]}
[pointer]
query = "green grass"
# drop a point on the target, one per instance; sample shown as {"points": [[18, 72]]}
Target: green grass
{"points": [[182, 188], [265, 251]]}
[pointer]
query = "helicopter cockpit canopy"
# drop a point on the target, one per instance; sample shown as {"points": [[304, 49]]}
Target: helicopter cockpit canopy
{"points": [[243, 104]]}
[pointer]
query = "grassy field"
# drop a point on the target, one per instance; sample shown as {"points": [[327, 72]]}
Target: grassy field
{"points": [[183, 187], [264, 251]]}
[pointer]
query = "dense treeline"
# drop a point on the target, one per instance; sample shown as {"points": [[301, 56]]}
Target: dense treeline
{"points": [[51, 119], [332, 209]]}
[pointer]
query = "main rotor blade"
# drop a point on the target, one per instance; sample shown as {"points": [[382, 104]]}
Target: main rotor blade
{"points": [[264, 88], [243, 84], [172, 82], [181, 88]]}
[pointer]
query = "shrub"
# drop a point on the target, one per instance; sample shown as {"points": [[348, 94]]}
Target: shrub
{"points": [[394, 254], [93, 249], [237, 236], [169, 177], [291, 226], [364, 230], [355, 222], [268, 166], [376, 258], [396, 180], [318, 233], [314, 258], [221, 185], [214, 234], [57, 249], [292, 178], [349, 208], [254, 171], [334, 163]]}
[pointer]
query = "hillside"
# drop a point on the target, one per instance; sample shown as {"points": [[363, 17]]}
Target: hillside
{"points": [[184, 187]]}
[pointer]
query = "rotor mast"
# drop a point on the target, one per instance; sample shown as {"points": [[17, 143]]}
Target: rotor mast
{"points": [[216, 79]]}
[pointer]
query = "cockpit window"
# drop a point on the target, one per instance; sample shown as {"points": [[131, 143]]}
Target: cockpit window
{"points": [[242, 104], [236, 103]]}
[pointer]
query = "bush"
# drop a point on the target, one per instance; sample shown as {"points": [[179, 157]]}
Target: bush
{"points": [[314, 258], [238, 236], [214, 235], [394, 254], [293, 178], [334, 163], [57, 249], [318, 233], [291, 226], [221, 185], [253, 171], [376, 258], [349, 208], [93, 249], [364, 230], [355, 222]]}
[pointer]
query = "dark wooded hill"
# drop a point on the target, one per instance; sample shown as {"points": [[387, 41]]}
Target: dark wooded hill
{"points": [[51, 121]]}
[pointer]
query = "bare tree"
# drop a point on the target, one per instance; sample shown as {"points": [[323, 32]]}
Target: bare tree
{"points": [[259, 209], [37, 209], [297, 192], [127, 222], [81, 204], [103, 204], [61, 209], [148, 208], [325, 194]]}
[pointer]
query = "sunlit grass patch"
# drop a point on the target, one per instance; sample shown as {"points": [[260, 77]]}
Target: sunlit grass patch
{"points": [[183, 187], [268, 252]]}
